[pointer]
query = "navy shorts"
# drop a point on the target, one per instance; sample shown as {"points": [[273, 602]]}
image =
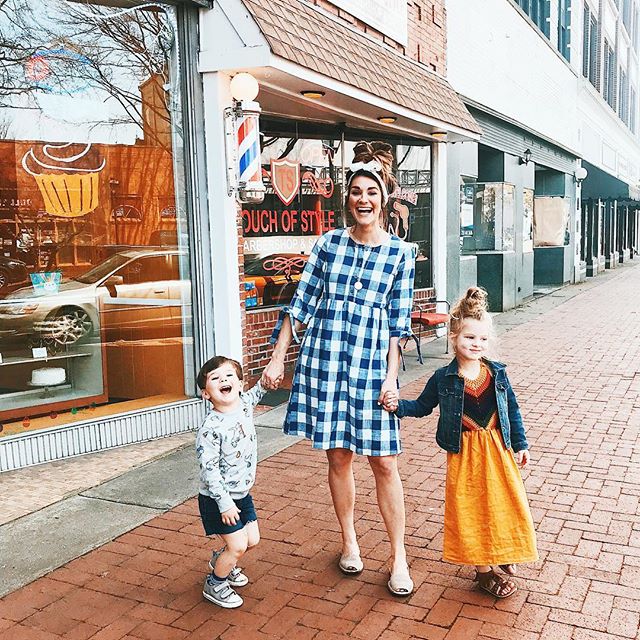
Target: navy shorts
{"points": [[212, 520]]}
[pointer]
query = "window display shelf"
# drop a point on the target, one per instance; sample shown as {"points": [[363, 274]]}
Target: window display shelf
{"points": [[12, 360], [39, 392]]}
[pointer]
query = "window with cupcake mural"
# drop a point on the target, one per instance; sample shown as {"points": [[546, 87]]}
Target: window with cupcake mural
{"points": [[95, 311]]}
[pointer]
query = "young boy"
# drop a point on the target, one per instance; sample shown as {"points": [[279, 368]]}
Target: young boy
{"points": [[226, 447]]}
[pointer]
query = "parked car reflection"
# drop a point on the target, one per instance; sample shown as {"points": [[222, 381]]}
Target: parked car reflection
{"points": [[274, 277], [12, 271], [133, 294]]}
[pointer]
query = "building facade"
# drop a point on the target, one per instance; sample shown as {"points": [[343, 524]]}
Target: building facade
{"points": [[127, 261], [531, 74]]}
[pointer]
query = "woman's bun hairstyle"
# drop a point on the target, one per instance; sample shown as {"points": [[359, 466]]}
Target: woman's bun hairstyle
{"points": [[473, 304], [383, 153], [365, 152]]}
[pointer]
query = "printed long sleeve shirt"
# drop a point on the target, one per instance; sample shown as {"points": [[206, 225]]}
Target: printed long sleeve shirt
{"points": [[227, 450]]}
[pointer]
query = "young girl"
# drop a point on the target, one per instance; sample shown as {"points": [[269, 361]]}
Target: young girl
{"points": [[487, 522]]}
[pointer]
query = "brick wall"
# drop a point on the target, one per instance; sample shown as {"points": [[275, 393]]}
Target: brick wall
{"points": [[426, 26]]}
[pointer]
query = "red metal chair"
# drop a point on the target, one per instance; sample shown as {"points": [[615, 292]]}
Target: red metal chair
{"points": [[425, 318]]}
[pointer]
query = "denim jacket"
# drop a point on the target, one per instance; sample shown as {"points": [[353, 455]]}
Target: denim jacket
{"points": [[446, 388]]}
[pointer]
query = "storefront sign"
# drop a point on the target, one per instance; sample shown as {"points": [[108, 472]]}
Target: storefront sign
{"points": [[280, 244], [466, 210], [285, 179], [69, 184], [274, 222], [319, 186], [387, 16]]}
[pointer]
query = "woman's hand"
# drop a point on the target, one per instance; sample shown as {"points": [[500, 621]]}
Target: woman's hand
{"points": [[273, 374], [522, 458], [387, 385], [390, 401]]}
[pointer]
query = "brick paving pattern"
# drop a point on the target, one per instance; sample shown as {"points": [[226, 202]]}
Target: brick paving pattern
{"points": [[576, 370]]}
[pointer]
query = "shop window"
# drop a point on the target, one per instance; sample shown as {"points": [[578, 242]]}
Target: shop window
{"points": [[99, 313], [304, 199], [487, 216]]}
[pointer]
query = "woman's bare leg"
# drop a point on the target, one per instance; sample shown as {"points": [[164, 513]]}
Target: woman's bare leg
{"points": [[343, 493], [390, 497]]}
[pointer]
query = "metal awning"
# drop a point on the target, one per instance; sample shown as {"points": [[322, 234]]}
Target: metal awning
{"points": [[600, 185]]}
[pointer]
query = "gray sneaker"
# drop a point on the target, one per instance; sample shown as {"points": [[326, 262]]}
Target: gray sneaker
{"points": [[236, 577], [221, 594]]}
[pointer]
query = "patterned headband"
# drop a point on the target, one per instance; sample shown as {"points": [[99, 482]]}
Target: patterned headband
{"points": [[373, 169]]}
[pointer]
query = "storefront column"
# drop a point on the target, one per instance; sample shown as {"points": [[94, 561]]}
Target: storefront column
{"points": [[439, 201], [592, 240], [625, 234], [223, 225]]}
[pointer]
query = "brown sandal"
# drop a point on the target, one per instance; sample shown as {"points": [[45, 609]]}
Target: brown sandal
{"points": [[509, 569], [494, 584]]}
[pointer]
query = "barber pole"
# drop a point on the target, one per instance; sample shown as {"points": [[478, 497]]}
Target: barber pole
{"points": [[250, 185]]}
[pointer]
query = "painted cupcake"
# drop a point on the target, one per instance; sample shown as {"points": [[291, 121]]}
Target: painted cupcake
{"points": [[68, 184]]}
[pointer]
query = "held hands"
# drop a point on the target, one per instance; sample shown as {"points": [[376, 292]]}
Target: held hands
{"points": [[389, 397], [273, 374], [390, 401], [230, 516], [522, 458]]}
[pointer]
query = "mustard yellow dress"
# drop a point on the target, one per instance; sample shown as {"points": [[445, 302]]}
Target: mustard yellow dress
{"points": [[487, 520]]}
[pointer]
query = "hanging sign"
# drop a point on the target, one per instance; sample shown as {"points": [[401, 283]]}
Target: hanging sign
{"points": [[285, 179]]}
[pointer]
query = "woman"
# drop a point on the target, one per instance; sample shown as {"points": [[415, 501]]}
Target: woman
{"points": [[354, 297]]}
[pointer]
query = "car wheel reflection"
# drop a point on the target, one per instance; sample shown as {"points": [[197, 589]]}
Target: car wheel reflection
{"points": [[67, 326]]}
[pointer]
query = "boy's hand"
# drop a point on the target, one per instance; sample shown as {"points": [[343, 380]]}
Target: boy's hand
{"points": [[390, 401], [230, 516], [273, 374], [522, 458]]}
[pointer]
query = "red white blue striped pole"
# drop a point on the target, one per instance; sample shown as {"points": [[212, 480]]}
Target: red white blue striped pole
{"points": [[248, 140], [244, 88]]}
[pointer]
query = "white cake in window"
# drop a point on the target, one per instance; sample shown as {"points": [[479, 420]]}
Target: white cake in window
{"points": [[48, 376]]}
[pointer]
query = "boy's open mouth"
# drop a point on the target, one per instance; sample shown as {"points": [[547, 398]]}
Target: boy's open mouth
{"points": [[226, 388]]}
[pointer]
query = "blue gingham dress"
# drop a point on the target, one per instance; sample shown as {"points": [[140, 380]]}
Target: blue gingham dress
{"points": [[343, 356]]}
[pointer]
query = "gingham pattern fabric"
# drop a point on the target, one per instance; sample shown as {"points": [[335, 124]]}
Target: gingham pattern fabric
{"points": [[343, 356]]}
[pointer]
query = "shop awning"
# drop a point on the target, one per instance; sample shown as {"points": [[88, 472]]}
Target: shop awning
{"points": [[304, 36], [600, 185]]}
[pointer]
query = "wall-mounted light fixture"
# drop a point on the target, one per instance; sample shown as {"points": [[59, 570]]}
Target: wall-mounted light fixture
{"points": [[440, 136], [579, 175], [387, 119], [242, 140], [313, 94], [525, 158]]}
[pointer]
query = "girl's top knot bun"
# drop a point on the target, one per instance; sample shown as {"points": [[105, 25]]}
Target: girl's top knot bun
{"points": [[473, 304]]}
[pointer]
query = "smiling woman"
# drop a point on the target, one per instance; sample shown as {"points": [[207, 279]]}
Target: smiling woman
{"points": [[92, 311]]}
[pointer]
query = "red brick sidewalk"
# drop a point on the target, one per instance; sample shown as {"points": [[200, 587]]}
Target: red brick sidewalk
{"points": [[577, 373]]}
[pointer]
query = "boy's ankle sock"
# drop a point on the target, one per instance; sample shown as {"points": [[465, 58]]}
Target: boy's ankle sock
{"points": [[217, 579]]}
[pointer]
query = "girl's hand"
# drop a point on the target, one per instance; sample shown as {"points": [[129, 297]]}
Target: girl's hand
{"points": [[273, 374], [522, 458], [230, 516], [390, 401]]}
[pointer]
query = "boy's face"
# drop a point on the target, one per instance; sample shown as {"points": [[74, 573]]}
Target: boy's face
{"points": [[222, 387]]}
